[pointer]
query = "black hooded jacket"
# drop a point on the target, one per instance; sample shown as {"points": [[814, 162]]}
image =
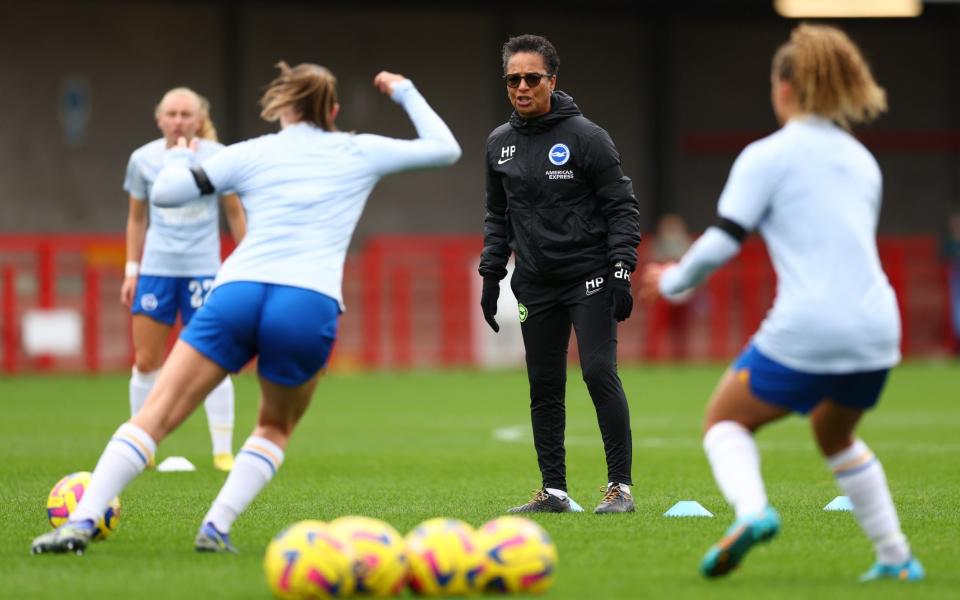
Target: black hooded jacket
{"points": [[556, 197]]}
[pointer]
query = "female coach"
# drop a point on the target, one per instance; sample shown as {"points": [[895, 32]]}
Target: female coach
{"points": [[278, 296], [556, 197], [827, 345]]}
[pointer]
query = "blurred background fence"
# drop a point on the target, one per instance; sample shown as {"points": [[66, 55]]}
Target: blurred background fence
{"points": [[681, 86], [412, 302]]}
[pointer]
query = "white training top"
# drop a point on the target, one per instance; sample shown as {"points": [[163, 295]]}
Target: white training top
{"points": [[304, 190], [813, 192], [182, 241]]}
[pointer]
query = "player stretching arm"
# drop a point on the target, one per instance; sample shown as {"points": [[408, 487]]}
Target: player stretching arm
{"points": [[278, 296], [827, 345]]}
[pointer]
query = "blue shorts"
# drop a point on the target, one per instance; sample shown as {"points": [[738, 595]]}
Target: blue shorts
{"points": [[291, 329], [161, 297], [800, 392]]}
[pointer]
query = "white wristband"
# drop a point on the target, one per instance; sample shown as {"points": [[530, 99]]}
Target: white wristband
{"points": [[131, 269]]}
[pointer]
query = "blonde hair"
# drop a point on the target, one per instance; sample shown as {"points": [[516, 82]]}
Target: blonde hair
{"points": [[829, 75], [311, 90], [206, 131]]}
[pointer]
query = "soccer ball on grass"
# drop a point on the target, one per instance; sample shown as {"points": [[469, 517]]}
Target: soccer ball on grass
{"points": [[381, 566], [444, 559], [519, 556], [309, 560], [65, 496]]}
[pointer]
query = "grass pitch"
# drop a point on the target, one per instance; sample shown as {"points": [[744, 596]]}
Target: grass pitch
{"points": [[406, 447]]}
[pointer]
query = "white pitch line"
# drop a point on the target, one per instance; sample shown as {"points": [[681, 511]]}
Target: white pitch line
{"points": [[514, 433], [521, 433]]}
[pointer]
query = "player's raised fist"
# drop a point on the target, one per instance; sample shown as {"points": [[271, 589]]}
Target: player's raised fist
{"points": [[385, 80]]}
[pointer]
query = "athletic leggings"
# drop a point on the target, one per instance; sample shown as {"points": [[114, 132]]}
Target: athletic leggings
{"points": [[547, 312]]}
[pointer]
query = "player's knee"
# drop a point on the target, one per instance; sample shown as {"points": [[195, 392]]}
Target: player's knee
{"points": [[148, 361], [598, 371], [546, 376]]}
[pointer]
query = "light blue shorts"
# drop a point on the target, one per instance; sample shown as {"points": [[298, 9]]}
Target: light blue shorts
{"points": [[800, 392], [291, 329]]}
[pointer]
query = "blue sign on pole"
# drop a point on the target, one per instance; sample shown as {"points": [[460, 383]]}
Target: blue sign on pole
{"points": [[74, 107]]}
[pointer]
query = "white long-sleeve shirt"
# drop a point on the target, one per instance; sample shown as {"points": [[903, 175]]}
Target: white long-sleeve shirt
{"points": [[304, 189], [182, 241], [813, 192]]}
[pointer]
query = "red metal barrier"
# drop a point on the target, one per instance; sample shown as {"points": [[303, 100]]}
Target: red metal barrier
{"points": [[402, 316], [8, 288], [952, 342], [415, 300], [91, 318], [411, 302], [371, 273]]}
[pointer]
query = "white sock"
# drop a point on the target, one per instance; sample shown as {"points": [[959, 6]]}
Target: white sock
{"points": [[125, 457], [140, 386], [861, 478], [219, 408], [733, 456], [623, 487], [556, 492], [257, 462]]}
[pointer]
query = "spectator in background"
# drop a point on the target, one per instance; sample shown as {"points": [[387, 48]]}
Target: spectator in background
{"points": [[951, 251], [173, 256], [669, 316]]}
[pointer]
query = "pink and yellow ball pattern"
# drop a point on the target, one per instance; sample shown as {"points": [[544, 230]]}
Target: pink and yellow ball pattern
{"points": [[444, 558], [310, 560], [519, 556], [65, 496], [381, 566]]}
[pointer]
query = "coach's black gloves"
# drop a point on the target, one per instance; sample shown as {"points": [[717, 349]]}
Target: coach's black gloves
{"points": [[488, 301], [620, 295]]}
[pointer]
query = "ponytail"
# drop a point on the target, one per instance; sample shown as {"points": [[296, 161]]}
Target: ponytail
{"points": [[829, 76], [310, 90]]}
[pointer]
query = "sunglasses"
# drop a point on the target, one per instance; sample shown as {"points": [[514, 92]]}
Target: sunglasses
{"points": [[531, 79]]}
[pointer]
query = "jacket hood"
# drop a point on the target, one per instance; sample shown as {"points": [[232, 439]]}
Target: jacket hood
{"points": [[562, 107]]}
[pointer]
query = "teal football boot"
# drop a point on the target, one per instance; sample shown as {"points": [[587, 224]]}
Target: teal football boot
{"points": [[725, 555], [911, 570]]}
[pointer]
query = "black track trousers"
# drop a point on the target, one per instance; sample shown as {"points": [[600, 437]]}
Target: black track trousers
{"points": [[548, 311]]}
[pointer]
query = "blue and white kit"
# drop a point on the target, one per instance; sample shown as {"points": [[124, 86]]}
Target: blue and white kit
{"points": [[303, 190], [813, 192], [183, 240], [181, 252]]}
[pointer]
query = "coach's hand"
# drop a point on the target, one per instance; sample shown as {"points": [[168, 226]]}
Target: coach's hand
{"points": [[488, 301], [620, 295]]}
